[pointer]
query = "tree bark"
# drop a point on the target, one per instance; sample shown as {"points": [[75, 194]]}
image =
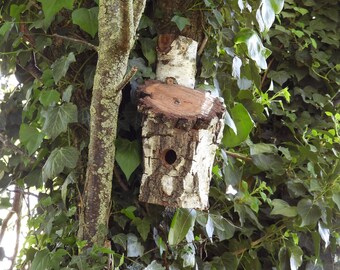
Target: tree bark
{"points": [[117, 24]]}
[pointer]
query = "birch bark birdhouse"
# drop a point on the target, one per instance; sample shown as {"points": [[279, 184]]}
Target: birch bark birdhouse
{"points": [[181, 130]]}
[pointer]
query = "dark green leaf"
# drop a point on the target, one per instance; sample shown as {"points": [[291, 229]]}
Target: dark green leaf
{"points": [[86, 19], [16, 10], [57, 257], [180, 21], [89, 73], [128, 155], [149, 49], [284, 260], [279, 76], [143, 227], [30, 137], [244, 125], [70, 179], [120, 239], [268, 162], [232, 174], [42, 260], [58, 160], [34, 178], [49, 97], [52, 7], [129, 212], [281, 207], [295, 257], [181, 223], [67, 94], [223, 228], [336, 199], [61, 65], [7, 26], [260, 148], [58, 118], [309, 212]]}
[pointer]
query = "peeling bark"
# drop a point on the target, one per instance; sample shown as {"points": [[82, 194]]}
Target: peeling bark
{"points": [[118, 21]]}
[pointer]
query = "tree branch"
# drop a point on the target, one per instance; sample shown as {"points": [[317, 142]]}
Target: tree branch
{"points": [[117, 22], [239, 156], [93, 47]]}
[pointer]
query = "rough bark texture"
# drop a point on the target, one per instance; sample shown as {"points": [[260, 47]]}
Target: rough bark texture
{"points": [[118, 21], [181, 131]]}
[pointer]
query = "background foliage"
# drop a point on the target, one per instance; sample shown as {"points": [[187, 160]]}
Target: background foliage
{"points": [[275, 193]]}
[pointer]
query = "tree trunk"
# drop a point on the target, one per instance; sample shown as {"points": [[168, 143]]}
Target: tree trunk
{"points": [[118, 21]]}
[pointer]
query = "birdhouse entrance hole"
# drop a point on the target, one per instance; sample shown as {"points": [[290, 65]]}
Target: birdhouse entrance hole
{"points": [[170, 156]]}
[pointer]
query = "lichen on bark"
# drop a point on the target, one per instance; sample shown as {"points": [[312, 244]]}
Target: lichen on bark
{"points": [[117, 24]]}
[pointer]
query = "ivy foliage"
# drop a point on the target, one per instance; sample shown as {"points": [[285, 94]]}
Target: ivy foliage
{"points": [[275, 192]]}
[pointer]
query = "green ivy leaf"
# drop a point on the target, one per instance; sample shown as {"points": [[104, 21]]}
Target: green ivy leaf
{"points": [[182, 222], [57, 257], [86, 19], [281, 207], [34, 179], [180, 21], [58, 160], [89, 73], [224, 229], [30, 137], [49, 97], [7, 26], [244, 125], [58, 118], [67, 94], [143, 227], [61, 65], [232, 174], [149, 49], [41, 260], [309, 212], [52, 7], [336, 199], [255, 48], [70, 179], [295, 257], [129, 212], [15, 11], [120, 239], [128, 155], [267, 162]]}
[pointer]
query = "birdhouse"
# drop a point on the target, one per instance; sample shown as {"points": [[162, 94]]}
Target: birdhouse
{"points": [[181, 130]]}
